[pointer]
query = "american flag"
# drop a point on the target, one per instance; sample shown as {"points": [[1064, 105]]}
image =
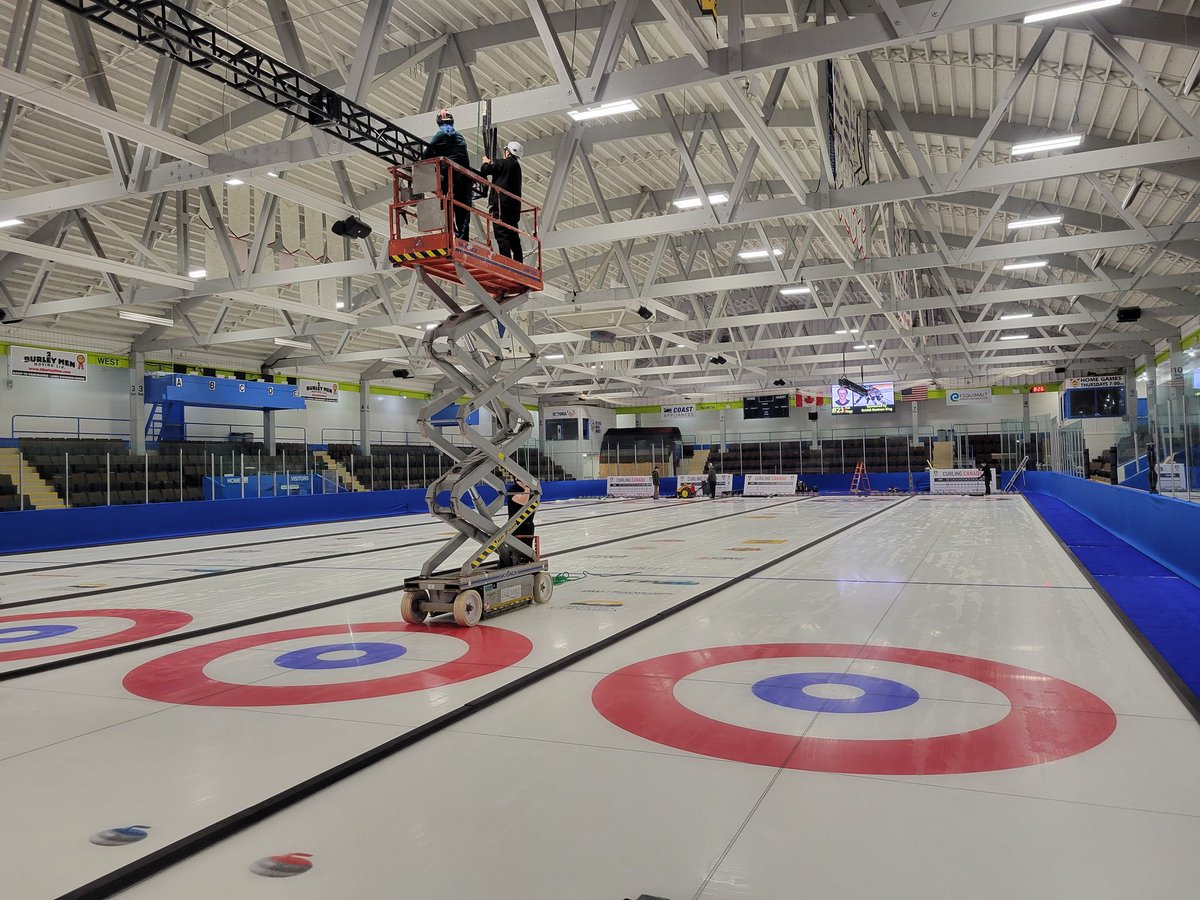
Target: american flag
{"points": [[915, 393]]}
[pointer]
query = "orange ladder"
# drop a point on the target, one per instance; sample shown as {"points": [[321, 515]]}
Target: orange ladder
{"points": [[860, 478]]}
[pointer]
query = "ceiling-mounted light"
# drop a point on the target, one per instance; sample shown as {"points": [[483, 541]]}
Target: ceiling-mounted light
{"points": [[1017, 315], [11, 223], [131, 316], [1131, 194], [339, 305], [198, 273], [694, 202], [401, 373], [779, 382], [553, 356], [717, 360], [1073, 9], [1065, 142], [1024, 264], [645, 313], [272, 174], [1014, 337], [431, 326], [792, 291], [759, 254], [1035, 223], [860, 346], [616, 108], [288, 342], [234, 182], [680, 347], [846, 331]]}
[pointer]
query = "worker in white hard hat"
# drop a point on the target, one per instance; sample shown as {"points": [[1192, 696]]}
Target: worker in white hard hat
{"points": [[505, 203]]}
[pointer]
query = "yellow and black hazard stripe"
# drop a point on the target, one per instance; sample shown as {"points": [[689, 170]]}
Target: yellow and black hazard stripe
{"points": [[499, 539], [419, 255]]}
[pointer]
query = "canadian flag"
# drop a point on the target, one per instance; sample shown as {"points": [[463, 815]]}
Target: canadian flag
{"points": [[809, 400]]}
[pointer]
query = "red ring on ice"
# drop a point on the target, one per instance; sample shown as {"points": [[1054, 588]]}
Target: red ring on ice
{"points": [[179, 677], [146, 623], [1049, 719]]}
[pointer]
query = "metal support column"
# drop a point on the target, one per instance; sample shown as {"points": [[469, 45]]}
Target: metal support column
{"points": [[364, 416], [137, 403]]}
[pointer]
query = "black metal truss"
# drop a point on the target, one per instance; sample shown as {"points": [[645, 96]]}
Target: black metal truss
{"points": [[186, 38]]}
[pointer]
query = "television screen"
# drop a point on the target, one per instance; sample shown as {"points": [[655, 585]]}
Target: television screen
{"points": [[880, 398], [771, 406], [1093, 403]]}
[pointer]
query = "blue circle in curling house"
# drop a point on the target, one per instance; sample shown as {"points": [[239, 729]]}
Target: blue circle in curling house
{"points": [[369, 653], [879, 694], [34, 632]]}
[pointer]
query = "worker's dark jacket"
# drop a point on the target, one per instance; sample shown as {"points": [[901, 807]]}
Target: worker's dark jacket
{"points": [[453, 146], [506, 175]]}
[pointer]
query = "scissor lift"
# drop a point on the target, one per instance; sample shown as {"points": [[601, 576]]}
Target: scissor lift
{"points": [[474, 367], [473, 362]]}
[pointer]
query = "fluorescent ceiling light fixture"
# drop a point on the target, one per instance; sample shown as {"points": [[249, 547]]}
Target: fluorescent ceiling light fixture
{"points": [[680, 347], [1035, 223], [144, 317], [860, 346], [604, 109], [272, 174], [198, 273], [846, 331], [11, 223], [1024, 264], [431, 326], [694, 202], [339, 305], [553, 356], [1017, 315], [759, 254], [288, 342], [1064, 142], [1014, 337], [234, 182], [1073, 9], [792, 291]]}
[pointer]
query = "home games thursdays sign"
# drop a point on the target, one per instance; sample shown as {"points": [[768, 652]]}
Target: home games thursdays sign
{"points": [[37, 363]]}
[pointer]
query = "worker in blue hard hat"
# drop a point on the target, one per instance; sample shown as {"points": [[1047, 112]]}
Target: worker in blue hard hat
{"points": [[451, 145], [506, 175]]}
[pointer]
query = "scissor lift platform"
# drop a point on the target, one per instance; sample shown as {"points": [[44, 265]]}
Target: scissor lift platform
{"points": [[424, 207]]}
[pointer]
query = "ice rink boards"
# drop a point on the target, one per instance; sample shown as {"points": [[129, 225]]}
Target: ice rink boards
{"points": [[884, 697]]}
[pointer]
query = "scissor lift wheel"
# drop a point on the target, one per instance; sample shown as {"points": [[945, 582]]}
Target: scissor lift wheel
{"points": [[543, 587], [468, 608], [412, 607]]}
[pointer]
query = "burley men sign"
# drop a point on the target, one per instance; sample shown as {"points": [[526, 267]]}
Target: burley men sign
{"points": [[32, 361]]}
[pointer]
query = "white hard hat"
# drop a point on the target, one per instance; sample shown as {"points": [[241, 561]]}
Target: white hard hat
{"points": [[514, 148]]}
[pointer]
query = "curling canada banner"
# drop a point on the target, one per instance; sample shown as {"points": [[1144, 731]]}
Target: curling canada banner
{"points": [[37, 363]]}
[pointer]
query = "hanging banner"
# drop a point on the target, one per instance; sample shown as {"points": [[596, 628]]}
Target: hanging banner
{"points": [[1093, 381], [317, 390], [968, 395], [630, 486], [768, 485], [955, 481], [685, 411], [37, 363], [810, 400], [700, 483]]}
